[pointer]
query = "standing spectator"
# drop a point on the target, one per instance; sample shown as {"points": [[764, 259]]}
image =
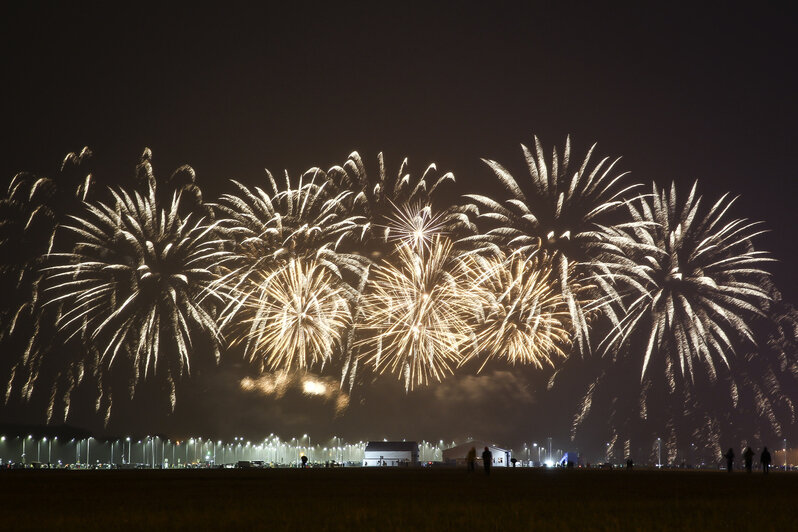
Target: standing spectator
{"points": [[765, 459], [487, 460], [729, 456], [748, 456], [471, 458]]}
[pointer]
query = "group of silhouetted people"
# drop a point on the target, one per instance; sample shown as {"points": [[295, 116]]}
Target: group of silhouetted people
{"points": [[487, 459], [748, 458]]}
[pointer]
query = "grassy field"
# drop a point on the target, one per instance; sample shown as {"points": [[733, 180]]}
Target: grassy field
{"points": [[397, 499]]}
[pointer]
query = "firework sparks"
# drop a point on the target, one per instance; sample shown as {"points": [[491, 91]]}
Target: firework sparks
{"points": [[415, 324], [521, 315], [415, 226], [29, 216], [135, 285], [693, 281], [288, 270], [377, 198], [269, 228], [559, 212], [298, 315]]}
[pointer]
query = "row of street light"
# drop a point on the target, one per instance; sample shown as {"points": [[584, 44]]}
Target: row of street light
{"points": [[154, 451]]}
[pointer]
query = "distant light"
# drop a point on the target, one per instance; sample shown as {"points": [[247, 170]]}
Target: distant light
{"points": [[549, 463], [314, 388]]}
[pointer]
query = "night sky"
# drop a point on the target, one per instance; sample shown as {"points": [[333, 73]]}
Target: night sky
{"points": [[681, 93]]}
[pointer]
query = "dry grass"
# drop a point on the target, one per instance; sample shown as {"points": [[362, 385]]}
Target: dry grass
{"points": [[399, 499]]}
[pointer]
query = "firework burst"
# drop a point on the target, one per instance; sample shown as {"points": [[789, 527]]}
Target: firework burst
{"points": [[415, 226], [415, 322], [377, 198], [299, 314], [134, 288], [521, 315], [558, 210], [692, 280], [284, 262], [267, 229]]}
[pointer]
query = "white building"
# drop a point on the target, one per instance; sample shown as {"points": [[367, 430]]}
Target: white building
{"points": [[457, 455], [391, 453]]}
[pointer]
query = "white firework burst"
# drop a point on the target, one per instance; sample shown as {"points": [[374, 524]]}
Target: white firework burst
{"points": [[265, 229], [692, 280], [558, 209], [134, 288], [378, 197]]}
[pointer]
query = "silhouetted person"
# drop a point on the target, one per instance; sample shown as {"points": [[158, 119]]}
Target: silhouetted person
{"points": [[765, 459], [471, 458], [487, 460], [304, 461], [729, 456], [748, 456], [630, 463], [513, 461]]}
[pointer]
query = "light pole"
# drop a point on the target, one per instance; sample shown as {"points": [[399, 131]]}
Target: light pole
{"points": [[88, 443], [549, 448], [129, 451], [24, 457], [659, 452], [785, 454]]}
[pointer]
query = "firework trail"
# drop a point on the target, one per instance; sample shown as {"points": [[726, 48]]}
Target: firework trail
{"points": [[416, 311], [182, 182], [558, 210], [30, 213]]}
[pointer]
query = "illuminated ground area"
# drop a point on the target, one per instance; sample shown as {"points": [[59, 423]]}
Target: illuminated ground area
{"points": [[431, 499]]}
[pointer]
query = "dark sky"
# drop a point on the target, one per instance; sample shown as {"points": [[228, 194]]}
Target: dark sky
{"points": [[682, 93]]}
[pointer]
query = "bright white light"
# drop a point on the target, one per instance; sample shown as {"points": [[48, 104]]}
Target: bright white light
{"points": [[549, 463], [314, 388]]}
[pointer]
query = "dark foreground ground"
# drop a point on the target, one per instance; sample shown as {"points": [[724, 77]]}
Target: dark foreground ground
{"points": [[398, 499]]}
